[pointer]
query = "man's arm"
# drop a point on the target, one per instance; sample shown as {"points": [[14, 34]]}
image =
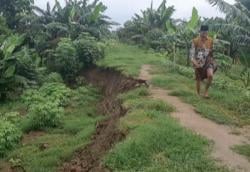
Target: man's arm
{"points": [[192, 56]]}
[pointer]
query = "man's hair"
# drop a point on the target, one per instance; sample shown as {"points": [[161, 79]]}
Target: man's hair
{"points": [[204, 28]]}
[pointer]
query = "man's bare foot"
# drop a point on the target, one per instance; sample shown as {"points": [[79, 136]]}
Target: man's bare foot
{"points": [[206, 95]]}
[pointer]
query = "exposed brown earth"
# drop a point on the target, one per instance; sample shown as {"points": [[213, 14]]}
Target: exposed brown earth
{"points": [[107, 134]]}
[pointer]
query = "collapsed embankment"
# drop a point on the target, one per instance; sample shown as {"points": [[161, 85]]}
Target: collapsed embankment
{"points": [[107, 134]]}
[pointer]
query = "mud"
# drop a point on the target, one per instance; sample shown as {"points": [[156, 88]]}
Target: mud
{"points": [[107, 134]]}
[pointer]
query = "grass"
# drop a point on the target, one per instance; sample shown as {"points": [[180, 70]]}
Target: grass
{"points": [[156, 142], [78, 125], [225, 106], [128, 58], [243, 150]]}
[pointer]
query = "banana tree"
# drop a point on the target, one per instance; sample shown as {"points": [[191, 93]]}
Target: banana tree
{"points": [[86, 16], [145, 28], [246, 3], [236, 27], [17, 67], [184, 32], [13, 10]]}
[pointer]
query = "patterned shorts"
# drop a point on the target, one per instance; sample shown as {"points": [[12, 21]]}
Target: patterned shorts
{"points": [[201, 73]]}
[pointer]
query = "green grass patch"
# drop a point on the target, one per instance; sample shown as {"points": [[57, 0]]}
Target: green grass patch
{"points": [[129, 58], [224, 107], [78, 124], [156, 142]]}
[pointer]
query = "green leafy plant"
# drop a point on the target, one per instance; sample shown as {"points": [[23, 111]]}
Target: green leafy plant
{"points": [[13, 10], [56, 93], [18, 65], [64, 60], [9, 136], [42, 116], [245, 77], [89, 51], [149, 27], [12, 117], [235, 27], [54, 77], [45, 106]]}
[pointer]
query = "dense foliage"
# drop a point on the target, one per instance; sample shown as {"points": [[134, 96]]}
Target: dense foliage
{"points": [[43, 50], [14, 10], [40, 49], [45, 105], [149, 28], [156, 29], [9, 136], [35, 42]]}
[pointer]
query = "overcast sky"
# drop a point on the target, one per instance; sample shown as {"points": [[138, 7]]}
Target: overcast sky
{"points": [[122, 10]]}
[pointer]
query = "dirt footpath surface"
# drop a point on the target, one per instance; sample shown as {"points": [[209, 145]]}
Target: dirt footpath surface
{"points": [[219, 134], [107, 134]]}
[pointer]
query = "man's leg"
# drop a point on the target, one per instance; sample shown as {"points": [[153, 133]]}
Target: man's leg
{"points": [[210, 74], [198, 81], [198, 86]]}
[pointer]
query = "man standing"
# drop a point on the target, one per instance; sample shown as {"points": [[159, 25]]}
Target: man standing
{"points": [[202, 59]]}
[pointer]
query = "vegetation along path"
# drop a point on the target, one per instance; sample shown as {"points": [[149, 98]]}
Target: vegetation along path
{"points": [[219, 134]]}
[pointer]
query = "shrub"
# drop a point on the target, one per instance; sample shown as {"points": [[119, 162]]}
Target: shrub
{"points": [[89, 51], [54, 77], [45, 106], [19, 66], [57, 93], [12, 117], [42, 116], [9, 136], [155, 39], [64, 60]]}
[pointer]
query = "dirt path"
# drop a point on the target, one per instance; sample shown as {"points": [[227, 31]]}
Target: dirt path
{"points": [[219, 134]]}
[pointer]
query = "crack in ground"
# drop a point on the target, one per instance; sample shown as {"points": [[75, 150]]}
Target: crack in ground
{"points": [[107, 134]]}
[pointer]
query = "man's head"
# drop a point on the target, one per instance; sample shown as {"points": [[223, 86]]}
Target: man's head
{"points": [[204, 31]]}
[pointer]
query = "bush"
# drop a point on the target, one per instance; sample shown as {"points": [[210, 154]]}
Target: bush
{"points": [[12, 117], [42, 116], [19, 66], [155, 39], [89, 51], [54, 77], [64, 60], [45, 106], [9, 136], [50, 92]]}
